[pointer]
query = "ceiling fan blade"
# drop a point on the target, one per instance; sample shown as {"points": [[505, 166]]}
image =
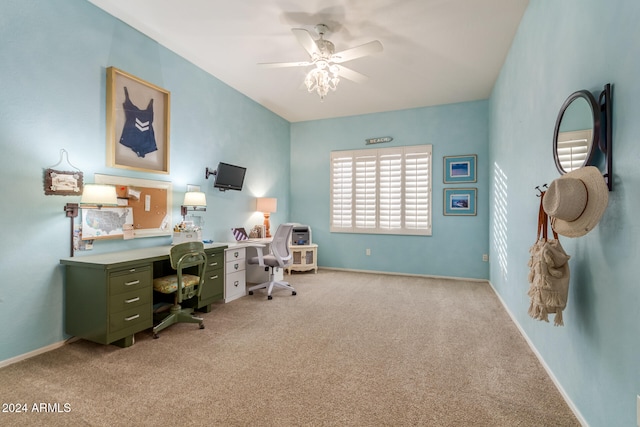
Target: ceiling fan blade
{"points": [[284, 64], [349, 74], [357, 52], [305, 39]]}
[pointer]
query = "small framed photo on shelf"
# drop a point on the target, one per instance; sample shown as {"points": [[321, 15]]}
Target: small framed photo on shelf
{"points": [[460, 201], [459, 169]]}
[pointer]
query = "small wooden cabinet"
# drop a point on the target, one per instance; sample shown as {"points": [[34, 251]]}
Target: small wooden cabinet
{"points": [[305, 258], [235, 284]]}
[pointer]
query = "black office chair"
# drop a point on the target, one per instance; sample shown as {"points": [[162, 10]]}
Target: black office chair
{"points": [[183, 285], [280, 257]]}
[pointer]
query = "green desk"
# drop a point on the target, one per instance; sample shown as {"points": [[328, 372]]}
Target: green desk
{"points": [[109, 297]]}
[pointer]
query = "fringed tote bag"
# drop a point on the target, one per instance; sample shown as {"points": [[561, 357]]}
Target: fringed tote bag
{"points": [[548, 274]]}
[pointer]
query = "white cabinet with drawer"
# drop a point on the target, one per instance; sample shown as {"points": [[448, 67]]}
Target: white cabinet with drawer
{"points": [[235, 283]]}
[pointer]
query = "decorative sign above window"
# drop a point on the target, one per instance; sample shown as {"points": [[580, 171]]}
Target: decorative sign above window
{"points": [[378, 140]]}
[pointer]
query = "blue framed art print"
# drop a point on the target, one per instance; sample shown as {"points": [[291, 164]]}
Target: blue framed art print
{"points": [[460, 201], [460, 169]]}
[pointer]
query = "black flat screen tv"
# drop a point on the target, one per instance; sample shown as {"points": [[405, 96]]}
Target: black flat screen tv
{"points": [[229, 177]]}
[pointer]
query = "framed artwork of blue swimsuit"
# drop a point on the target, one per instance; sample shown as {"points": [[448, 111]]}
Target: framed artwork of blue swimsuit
{"points": [[137, 123]]}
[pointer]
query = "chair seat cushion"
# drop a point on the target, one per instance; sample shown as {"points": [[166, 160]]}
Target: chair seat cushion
{"points": [[269, 260], [169, 284]]}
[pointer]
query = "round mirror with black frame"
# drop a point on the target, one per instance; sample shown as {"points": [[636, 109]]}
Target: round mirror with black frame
{"points": [[577, 131]]}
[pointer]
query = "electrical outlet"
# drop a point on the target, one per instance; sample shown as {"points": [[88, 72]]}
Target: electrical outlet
{"points": [[485, 257], [368, 251]]}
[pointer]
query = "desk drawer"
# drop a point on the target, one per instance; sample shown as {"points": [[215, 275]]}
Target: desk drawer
{"points": [[214, 261], [234, 265], [131, 318], [129, 300], [213, 288], [235, 286], [234, 254], [130, 279]]}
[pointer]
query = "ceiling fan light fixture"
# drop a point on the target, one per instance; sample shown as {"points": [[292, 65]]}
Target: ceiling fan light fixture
{"points": [[322, 78], [324, 58]]}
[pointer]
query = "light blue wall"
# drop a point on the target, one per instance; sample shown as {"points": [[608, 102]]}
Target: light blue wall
{"points": [[561, 47], [457, 243], [52, 96]]}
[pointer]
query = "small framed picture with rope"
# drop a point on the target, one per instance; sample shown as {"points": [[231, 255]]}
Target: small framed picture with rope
{"points": [[63, 182]]}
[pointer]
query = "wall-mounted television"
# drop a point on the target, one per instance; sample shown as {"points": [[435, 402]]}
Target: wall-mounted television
{"points": [[228, 177]]}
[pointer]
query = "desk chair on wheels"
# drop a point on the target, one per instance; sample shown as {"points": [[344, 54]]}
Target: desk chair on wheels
{"points": [[183, 285], [280, 257]]}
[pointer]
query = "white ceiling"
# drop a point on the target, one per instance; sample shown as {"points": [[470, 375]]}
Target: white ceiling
{"points": [[435, 51]]}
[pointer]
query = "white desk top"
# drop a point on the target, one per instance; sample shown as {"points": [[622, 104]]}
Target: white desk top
{"points": [[250, 242]]}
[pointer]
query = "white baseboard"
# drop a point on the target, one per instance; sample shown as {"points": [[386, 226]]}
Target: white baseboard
{"points": [[36, 352], [564, 394], [429, 276]]}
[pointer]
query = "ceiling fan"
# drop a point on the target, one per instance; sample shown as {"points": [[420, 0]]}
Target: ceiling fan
{"points": [[328, 63]]}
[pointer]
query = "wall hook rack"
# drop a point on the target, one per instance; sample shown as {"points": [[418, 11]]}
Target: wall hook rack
{"points": [[540, 192]]}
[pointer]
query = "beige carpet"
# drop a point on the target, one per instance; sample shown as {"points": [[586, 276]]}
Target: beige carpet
{"points": [[351, 349]]}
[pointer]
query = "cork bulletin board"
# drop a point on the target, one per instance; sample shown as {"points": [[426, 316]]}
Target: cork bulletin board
{"points": [[150, 201]]}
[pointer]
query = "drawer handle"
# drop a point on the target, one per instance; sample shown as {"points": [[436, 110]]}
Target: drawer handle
{"points": [[130, 318], [135, 282], [129, 301], [133, 270], [236, 266], [213, 277], [236, 254], [213, 264], [236, 283]]}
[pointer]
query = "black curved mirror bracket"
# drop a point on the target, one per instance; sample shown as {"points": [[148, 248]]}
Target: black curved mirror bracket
{"points": [[601, 133], [606, 139]]}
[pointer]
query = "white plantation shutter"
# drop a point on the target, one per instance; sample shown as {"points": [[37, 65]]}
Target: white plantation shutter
{"points": [[390, 184], [365, 191], [573, 148], [341, 191], [385, 191], [417, 190]]}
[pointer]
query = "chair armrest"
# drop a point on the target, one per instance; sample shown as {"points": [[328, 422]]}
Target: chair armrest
{"points": [[259, 250]]}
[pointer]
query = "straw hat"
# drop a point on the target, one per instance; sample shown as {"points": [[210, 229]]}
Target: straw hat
{"points": [[576, 201]]}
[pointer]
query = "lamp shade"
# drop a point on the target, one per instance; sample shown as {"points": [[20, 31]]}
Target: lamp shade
{"points": [[194, 198], [266, 204], [99, 194]]}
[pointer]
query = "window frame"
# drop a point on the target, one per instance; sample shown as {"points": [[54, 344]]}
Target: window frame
{"points": [[358, 202]]}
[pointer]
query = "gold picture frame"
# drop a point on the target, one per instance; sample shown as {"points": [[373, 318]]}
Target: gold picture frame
{"points": [[137, 123], [150, 202]]}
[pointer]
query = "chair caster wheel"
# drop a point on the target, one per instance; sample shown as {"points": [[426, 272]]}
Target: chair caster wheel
{"points": [[269, 297], [201, 326], [293, 293], [156, 336], [250, 292]]}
